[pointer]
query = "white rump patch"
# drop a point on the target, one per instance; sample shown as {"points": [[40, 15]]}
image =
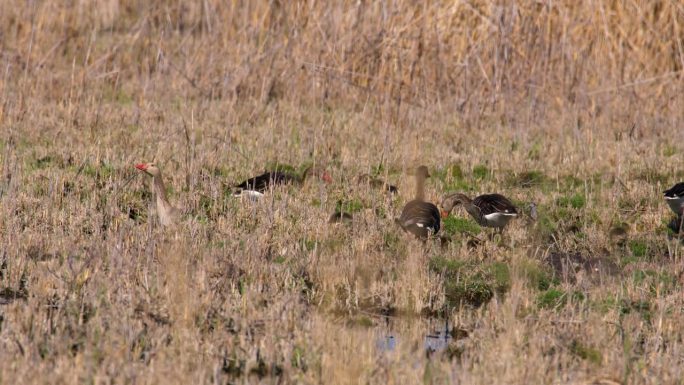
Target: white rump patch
{"points": [[249, 194], [499, 219]]}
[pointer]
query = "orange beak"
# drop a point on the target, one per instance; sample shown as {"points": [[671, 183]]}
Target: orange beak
{"points": [[445, 214], [326, 177], [141, 166]]}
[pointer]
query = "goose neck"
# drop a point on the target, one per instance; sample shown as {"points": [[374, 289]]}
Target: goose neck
{"points": [[420, 188], [160, 190]]}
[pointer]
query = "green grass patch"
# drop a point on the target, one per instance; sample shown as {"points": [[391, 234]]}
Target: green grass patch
{"points": [[458, 225], [456, 172], [481, 172], [556, 298], [638, 248], [470, 282], [575, 201], [643, 250], [551, 298]]}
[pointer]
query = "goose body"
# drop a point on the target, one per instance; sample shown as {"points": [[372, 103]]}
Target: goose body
{"points": [[675, 198], [488, 210], [418, 217], [168, 215], [263, 182], [256, 186]]}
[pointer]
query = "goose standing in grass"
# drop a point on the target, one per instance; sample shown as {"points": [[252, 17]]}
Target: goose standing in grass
{"points": [[168, 215], [255, 187], [488, 210], [675, 198], [418, 217]]}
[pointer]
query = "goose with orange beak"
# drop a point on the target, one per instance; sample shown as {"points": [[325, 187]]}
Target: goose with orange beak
{"points": [[168, 215]]}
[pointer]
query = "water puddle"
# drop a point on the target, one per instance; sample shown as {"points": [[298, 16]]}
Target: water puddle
{"points": [[436, 334]]}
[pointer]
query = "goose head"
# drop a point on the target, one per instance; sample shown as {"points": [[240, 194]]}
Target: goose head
{"points": [[450, 201], [148, 168]]}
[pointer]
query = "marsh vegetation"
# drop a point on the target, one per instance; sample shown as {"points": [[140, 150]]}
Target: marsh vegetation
{"points": [[574, 106]]}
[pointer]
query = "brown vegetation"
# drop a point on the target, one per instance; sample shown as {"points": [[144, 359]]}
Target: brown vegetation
{"points": [[576, 106]]}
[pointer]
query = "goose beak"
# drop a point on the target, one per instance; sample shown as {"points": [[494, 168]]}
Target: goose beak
{"points": [[445, 214], [326, 177], [141, 166]]}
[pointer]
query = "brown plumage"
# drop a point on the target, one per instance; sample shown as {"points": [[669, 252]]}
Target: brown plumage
{"points": [[259, 184], [418, 217], [488, 210], [168, 215]]}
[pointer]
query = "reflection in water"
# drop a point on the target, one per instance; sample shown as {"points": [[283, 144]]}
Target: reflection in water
{"points": [[437, 336]]}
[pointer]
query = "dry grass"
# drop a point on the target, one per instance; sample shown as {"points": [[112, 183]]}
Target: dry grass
{"points": [[575, 106]]}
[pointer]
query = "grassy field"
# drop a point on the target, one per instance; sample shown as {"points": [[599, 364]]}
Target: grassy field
{"points": [[576, 106]]}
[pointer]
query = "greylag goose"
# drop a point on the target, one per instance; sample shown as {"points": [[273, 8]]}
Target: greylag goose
{"points": [[168, 215], [675, 198], [418, 217], [488, 210], [376, 183], [255, 187]]}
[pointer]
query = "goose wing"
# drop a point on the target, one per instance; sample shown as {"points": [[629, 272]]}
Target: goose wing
{"points": [[494, 203], [676, 191], [420, 218], [262, 182]]}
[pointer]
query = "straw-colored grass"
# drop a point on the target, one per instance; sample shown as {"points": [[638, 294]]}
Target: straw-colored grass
{"points": [[576, 106]]}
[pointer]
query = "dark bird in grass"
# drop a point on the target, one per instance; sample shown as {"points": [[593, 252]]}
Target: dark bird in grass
{"points": [[488, 210], [255, 187], [418, 217], [675, 198]]}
